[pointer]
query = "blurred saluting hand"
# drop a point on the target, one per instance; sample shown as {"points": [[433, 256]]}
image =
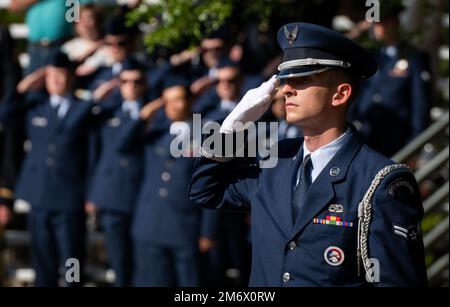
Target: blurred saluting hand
{"points": [[33, 82], [150, 109], [105, 89]]}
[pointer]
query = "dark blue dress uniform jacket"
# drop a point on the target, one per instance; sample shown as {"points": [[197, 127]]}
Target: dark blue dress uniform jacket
{"points": [[57, 153], [164, 214], [117, 176], [394, 105], [292, 254]]}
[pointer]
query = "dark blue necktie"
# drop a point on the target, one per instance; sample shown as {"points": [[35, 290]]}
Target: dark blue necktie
{"points": [[54, 113], [302, 188]]}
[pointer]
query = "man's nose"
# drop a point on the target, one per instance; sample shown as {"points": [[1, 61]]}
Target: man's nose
{"points": [[287, 90]]}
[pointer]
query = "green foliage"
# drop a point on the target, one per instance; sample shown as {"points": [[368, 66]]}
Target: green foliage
{"points": [[6, 17], [180, 20], [171, 22], [431, 220]]}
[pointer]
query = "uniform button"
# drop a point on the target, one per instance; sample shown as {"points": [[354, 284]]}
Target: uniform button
{"points": [[123, 162], [334, 171], [115, 122], [160, 151], [96, 110], [27, 145], [377, 98], [286, 277], [425, 75], [165, 176], [292, 245], [45, 42], [51, 147], [162, 192], [50, 161]]}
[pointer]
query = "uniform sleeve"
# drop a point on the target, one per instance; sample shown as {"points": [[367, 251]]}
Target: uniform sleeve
{"points": [[13, 105], [11, 147], [137, 133], [9, 67], [98, 115], [83, 114], [209, 224], [94, 146], [224, 184], [131, 135], [421, 95], [395, 238]]}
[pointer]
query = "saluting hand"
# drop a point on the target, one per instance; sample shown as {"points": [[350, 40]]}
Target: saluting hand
{"points": [[202, 84], [150, 109], [105, 89], [33, 82], [251, 107]]}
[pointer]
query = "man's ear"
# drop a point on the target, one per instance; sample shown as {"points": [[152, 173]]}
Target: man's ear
{"points": [[342, 96]]}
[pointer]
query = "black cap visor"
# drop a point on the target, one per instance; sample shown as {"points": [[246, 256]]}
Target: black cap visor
{"points": [[302, 71]]}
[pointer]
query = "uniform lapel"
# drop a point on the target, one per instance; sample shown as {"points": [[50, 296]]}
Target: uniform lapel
{"points": [[320, 194], [119, 113], [322, 191], [293, 170], [281, 209], [162, 147]]}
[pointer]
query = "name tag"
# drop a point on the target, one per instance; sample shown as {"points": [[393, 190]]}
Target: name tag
{"points": [[114, 122], [39, 121]]}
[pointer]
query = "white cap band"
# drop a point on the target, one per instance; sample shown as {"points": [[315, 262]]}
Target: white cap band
{"points": [[311, 61]]}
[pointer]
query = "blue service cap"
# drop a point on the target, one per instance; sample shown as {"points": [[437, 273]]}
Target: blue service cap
{"points": [[117, 26], [225, 61], [309, 49], [61, 60], [131, 63], [173, 79]]}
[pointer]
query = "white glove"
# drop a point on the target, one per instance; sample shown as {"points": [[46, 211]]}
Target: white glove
{"points": [[251, 107]]}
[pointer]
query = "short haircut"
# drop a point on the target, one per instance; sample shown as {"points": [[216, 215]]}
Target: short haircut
{"points": [[347, 76]]}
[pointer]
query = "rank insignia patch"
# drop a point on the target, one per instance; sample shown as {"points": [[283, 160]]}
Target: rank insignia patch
{"points": [[408, 233]]}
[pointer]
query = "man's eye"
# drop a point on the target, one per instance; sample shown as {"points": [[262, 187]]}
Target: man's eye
{"points": [[301, 81], [304, 79]]}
